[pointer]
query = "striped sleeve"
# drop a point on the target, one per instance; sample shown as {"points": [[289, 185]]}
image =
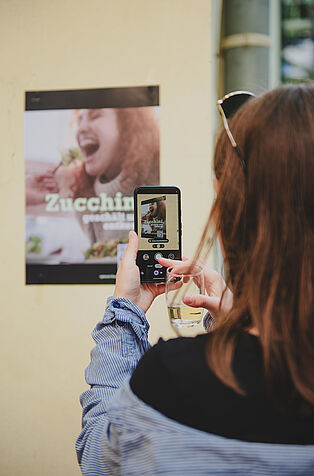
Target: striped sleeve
{"points": [[121, 340]]}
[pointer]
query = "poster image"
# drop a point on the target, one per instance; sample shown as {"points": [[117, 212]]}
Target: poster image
{"points": [[85, 153]]}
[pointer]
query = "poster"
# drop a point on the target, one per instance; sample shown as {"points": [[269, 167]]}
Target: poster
{"points": [[85, 152]]}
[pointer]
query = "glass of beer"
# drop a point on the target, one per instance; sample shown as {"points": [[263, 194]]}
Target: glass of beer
{"points": [[186, 280]]}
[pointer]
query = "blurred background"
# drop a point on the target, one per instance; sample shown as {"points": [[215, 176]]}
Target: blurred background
{"points": [[196, 51]]}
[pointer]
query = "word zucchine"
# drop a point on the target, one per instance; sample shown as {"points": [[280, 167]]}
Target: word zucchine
{"points": [[102, 203]]}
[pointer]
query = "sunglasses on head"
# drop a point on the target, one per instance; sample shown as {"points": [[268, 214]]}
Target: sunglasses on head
{"points": [[227, 106]]}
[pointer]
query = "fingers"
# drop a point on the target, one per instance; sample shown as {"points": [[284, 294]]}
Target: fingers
{"points": [[174, 285], [172, 262], [180, 266], [209, 303], [166, 262], [131, 249], [177, 266], [214, 282], [159, 289]]}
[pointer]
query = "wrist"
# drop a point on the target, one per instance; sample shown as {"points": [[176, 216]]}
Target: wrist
{"points": [[124, 294], [118, 302]]}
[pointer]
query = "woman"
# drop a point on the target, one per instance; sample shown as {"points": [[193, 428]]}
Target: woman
{"points": [[120, 150], [239, 399]]}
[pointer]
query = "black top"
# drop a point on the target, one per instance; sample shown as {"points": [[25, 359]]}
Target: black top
{"points": [[173, 378]]}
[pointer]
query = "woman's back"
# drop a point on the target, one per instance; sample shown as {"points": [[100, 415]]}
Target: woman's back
{"points": [[123, 435], [174, 378]]}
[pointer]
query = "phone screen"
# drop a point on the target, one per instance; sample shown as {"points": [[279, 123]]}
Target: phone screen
{"points": [[158, 225]]}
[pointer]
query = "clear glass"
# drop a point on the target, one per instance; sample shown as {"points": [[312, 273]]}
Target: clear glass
{"points": [[188, 280]]}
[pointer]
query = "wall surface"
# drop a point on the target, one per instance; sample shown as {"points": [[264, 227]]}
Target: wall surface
{"points": [[45, 330]]}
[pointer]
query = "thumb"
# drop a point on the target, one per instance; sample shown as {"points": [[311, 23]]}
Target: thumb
{"points": [[207, 302], [131, 249]]}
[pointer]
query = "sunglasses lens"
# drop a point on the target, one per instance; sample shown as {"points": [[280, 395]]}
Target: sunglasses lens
{"points": [[231, 104]]}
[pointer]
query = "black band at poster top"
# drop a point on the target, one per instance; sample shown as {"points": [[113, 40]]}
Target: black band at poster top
{"points": [[139, 96]]}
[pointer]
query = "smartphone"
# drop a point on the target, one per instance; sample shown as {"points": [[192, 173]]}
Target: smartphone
{"points": [[157, 221]]}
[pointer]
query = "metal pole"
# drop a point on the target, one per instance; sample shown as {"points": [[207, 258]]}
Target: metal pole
{"points": [[245, 45]]}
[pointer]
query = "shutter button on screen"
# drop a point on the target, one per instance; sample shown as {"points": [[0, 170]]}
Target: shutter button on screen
{"points": [[157, 256]]}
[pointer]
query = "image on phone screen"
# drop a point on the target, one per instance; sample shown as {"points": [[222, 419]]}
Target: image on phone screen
{"points": [[153, 218]]}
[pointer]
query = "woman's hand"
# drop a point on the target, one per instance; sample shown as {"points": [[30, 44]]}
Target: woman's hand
{"points": [[128, 283], [214, 285], [37, 186], [66, 177]]}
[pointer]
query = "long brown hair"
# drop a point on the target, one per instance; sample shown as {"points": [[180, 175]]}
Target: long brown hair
{"points": [[137, 150], [265, 221]]}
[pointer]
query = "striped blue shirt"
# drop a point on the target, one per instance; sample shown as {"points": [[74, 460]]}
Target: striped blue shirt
{"points": [[122, 435]]}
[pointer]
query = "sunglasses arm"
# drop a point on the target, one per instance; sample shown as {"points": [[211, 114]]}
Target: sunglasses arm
{"points": [[231, 138]]}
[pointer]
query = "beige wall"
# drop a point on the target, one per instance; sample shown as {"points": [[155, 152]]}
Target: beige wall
{"points": [[45, 330]]}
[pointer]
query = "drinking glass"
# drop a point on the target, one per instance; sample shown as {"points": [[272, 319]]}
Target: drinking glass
{"points": [[186, 280]]}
